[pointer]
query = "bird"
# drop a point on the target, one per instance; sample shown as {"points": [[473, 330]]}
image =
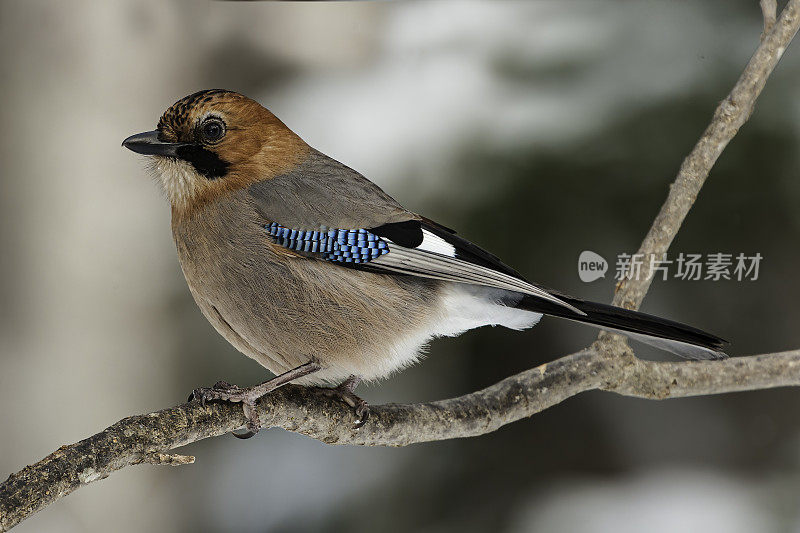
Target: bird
{"points": [[316, 273]]}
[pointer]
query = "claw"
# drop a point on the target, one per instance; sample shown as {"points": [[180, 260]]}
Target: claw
{"points": [[362, 414], [198, 394], [224, 391], [359, 423], [344, 393], [253, 423]]}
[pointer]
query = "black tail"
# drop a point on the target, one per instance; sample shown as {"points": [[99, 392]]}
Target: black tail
{"points": [[675, 337]]}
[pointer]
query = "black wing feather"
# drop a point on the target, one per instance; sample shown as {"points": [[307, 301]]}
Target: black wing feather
{"points": [[609, 316], [407, 233], [469, 251], [468, 264]]}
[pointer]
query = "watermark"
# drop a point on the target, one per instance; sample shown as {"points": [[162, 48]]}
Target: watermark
{"points": [[690, 267], [591, 266]]}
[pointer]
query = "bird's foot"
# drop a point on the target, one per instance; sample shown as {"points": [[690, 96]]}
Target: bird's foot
{"points": [[344, 392], [224, 391]]}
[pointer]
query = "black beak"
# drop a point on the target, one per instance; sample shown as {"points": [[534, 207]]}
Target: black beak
{"points": [[147, 143]]}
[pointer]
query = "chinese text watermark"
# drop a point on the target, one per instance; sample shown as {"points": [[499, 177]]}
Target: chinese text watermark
{"points": [[690, 267]]}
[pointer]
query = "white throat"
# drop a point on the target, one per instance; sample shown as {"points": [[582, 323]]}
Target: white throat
{"points": [[178, 178]]}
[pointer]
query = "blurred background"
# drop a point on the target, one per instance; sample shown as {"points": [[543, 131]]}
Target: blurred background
{"points": [[558, 124]]}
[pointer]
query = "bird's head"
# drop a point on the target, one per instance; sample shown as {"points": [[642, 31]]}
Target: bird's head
{"points": [[213, 142]]}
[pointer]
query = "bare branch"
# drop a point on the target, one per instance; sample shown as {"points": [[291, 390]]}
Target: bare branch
{"points": [[729, 116], [134, 440], [657, 381], [608, 364], [167, 459], [304, 410], [769, 8]]}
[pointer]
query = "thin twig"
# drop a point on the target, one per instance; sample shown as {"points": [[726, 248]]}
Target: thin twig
{"points": [[769, 9], [608, 364]]}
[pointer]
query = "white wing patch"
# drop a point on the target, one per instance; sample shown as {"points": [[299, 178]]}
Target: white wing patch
{"points": [[435, 244]]}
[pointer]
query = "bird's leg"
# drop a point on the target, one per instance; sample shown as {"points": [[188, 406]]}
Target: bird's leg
{"points": [[248, 396], [344, 392]]}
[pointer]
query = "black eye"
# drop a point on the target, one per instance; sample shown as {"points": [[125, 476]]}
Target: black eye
{"points": [[212, 130]]}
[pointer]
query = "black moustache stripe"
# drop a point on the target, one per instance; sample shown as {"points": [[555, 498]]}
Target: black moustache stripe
{"points": [[204, 161]]}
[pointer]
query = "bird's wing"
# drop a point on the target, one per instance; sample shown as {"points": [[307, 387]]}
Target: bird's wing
{"points": [[322, 192], [413, 247], [326, 210]]}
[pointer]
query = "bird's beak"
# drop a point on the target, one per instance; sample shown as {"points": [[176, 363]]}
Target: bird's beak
{"points": [[147, 143]]}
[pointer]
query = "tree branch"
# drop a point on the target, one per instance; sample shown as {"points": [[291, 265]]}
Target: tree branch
{"points": [[657, 381], [769, 9], [729, 116], [608, 364]]}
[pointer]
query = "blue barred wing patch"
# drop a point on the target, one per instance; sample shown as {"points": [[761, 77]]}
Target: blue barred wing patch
{"points": [[339, 245]]}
